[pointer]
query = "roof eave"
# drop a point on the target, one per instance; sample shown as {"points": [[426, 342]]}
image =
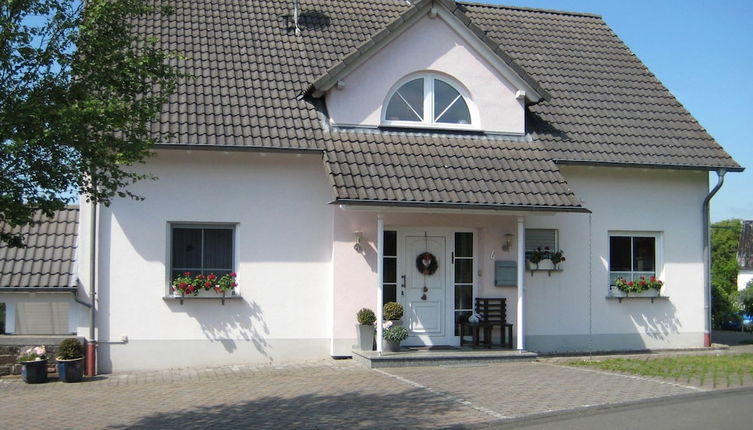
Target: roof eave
{"points": [[38, 290], [462, 206], [648, 166]]}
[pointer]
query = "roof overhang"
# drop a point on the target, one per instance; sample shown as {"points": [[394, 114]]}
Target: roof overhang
{"points": [[647, 166], [453, 15], [438, 207], [46, 290]]}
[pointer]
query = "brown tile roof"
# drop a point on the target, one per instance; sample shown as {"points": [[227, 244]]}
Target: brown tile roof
{"points": [[249, 68], [47, 261], [444, 170]]}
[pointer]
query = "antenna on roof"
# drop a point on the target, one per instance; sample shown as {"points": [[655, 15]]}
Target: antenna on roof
{"points": [[296, 13]]}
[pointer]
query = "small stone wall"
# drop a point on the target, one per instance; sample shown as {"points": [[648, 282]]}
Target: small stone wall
{"points": [[11, 347]]}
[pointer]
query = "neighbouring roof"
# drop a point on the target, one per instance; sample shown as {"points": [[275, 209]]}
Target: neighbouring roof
{"points": [[249, 67], [47, 261], [745, 248]]}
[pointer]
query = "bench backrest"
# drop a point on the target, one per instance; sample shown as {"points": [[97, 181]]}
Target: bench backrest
{"points": [[492, 310]]}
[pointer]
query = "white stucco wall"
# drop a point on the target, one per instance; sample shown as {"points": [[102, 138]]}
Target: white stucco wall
{"points": [[429, 45], [284, 236], [562, 310], [302, 281]]}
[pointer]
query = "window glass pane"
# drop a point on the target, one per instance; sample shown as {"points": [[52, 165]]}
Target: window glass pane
{"points": [[218, 250], [463, 297], [463, 244], [449, 105], [390, 243], [463, 271], [186, 249], [407, 104], [390, 269], [458, 113], [619, 254], [389, 294], [644, 250]]}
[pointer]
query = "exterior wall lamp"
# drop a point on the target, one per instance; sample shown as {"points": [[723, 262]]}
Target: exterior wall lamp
{"points": [[507, 242], [357, 245]]}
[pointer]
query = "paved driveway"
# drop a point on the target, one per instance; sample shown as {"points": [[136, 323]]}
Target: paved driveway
{"points": [[331, 394]]}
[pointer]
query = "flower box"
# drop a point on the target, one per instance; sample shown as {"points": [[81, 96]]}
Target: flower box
{"points": [[616, 293]]}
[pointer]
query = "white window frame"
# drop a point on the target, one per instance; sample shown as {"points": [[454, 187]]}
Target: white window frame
{"points": [[658, 254], [428, 121], [204, 225]]}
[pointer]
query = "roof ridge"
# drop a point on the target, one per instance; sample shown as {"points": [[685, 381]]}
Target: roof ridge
{"points": [[531, 9]]}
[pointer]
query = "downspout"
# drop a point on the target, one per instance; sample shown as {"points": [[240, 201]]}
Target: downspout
{"points": [[707, 257], [91, 345]]}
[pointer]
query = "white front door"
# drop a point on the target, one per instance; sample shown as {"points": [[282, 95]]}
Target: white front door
{"points": [[427, 314]]}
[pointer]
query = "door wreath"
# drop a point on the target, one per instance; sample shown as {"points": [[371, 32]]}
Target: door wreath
{"points": [[426, 263]]}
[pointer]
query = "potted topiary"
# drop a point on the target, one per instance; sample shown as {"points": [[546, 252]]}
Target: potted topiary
{"points": [[393, 335], [393, 311], [70, 360], [34, 365], [365, 329]]}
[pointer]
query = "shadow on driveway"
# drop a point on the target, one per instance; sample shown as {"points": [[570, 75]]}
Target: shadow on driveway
{"points": [[411, 409]]}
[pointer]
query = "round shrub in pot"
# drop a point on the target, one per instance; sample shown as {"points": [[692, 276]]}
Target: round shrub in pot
{"points": [[70, 360]]}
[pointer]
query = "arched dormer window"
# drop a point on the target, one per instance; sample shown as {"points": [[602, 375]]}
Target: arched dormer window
{"points": [[428, 100]]}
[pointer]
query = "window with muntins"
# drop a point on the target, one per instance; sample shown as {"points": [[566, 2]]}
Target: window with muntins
{"points": [[463, 261], [389, 281], [202, 249], [632, 255], [428, 100]]}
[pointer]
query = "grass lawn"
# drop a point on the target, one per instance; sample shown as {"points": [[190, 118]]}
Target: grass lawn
{"points": [[709, 370]]}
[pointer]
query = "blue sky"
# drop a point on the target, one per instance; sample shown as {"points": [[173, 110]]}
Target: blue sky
{"points": [[702, 50]]}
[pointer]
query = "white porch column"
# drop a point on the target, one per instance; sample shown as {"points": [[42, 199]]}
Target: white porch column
{"points": [[380, 281], [521, 283]]}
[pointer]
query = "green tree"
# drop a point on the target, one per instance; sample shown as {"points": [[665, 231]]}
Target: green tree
{"points": [[725, 237], [78, 89]]}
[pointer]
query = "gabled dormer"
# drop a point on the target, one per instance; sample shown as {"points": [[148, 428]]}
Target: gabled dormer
{"points": [[430, 69]]}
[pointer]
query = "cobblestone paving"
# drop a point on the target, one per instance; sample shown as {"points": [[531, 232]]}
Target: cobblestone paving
{"points": [[319, 395], [518, 389], [310, 396]]}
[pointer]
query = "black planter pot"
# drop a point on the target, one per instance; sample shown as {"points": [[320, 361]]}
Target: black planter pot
{"points": [[34, 372], [71, 370]]}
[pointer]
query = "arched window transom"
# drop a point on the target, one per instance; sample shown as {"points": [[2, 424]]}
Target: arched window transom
{"points": [[428, 100]]}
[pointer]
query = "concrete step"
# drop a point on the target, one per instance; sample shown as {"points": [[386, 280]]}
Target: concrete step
{"points": [[452, 357]]}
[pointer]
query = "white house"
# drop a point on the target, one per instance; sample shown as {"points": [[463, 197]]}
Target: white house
{"points": [[317, 159], [745, 255]]}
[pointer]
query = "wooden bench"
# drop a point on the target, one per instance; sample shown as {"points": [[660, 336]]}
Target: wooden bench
{"points": [[493, 312]]}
